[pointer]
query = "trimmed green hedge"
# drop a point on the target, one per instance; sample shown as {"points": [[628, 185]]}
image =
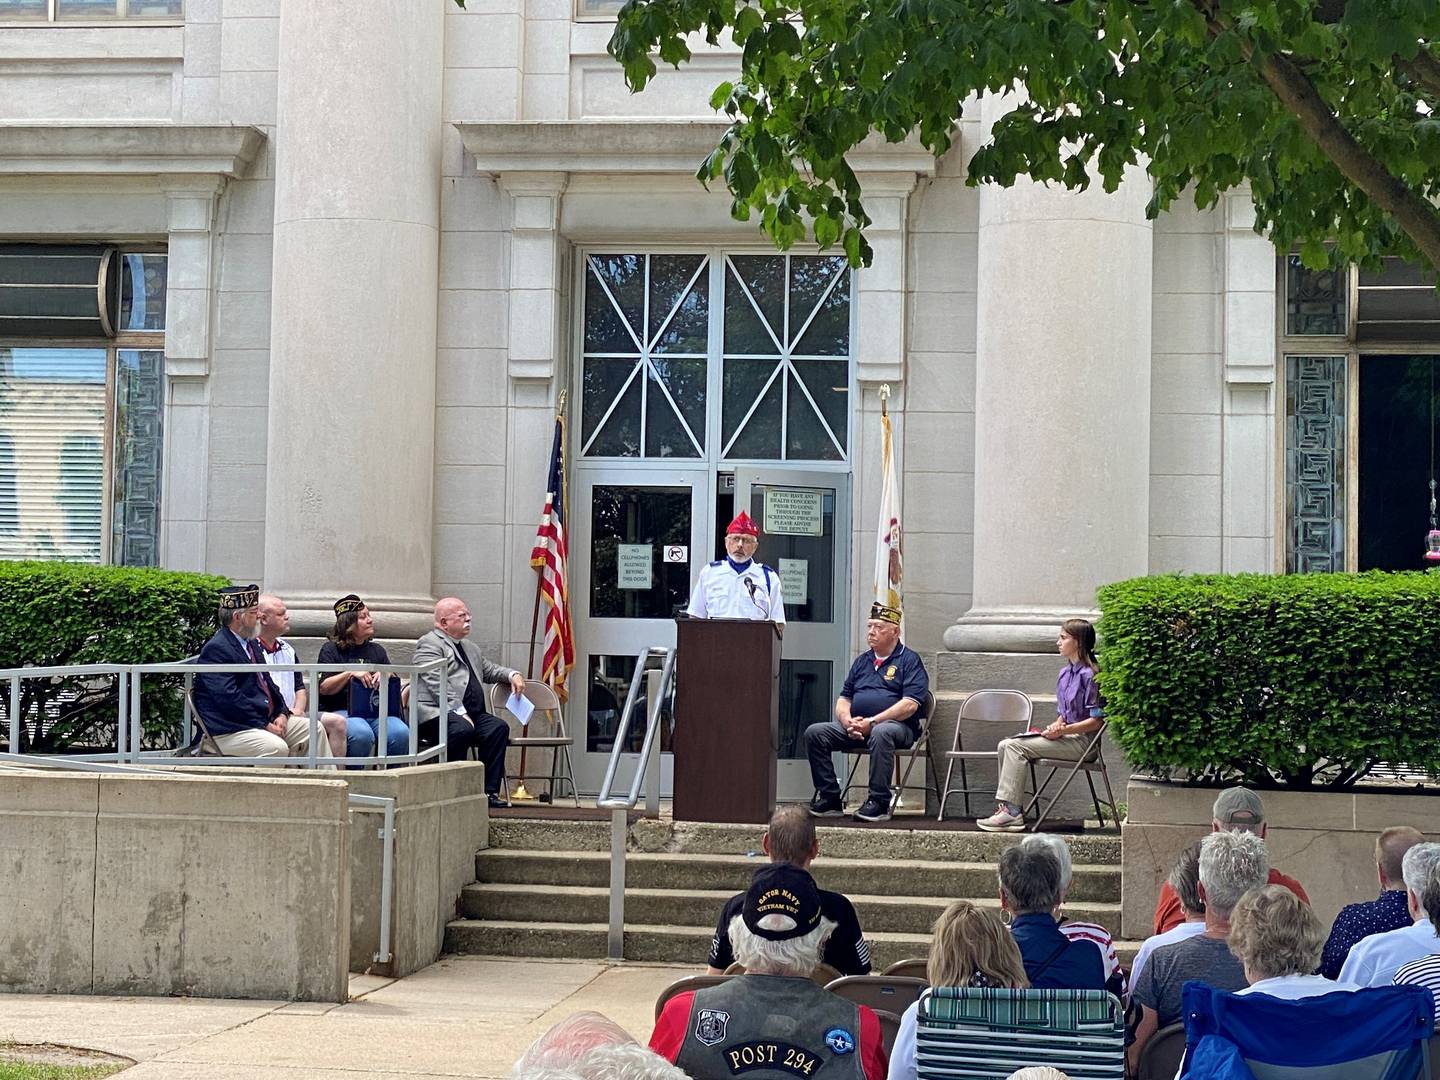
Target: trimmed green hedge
{"points": [[1300, 680], [54, 614]]}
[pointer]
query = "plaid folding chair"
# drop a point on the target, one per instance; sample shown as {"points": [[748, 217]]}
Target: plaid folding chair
{"points": [[965, 1033]]}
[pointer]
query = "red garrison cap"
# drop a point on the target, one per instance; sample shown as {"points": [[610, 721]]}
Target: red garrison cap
{"points": [[744, 525]]}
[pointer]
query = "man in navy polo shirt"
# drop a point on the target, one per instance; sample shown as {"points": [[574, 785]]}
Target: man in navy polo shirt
{"points": [[879, 708]]}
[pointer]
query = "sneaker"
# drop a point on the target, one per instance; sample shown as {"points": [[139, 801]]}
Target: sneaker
{"points": [[1002, 821], [874, 810], [821, 807]]}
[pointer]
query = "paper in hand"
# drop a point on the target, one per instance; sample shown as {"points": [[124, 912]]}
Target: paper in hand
{"points": [[519, 706]]}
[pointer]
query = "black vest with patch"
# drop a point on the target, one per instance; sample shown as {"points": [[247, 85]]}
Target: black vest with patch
{"points": [[771, 1027]]}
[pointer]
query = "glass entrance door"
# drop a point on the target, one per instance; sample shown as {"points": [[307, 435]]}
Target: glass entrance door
{"points": [[640, 531], [804, 516]]}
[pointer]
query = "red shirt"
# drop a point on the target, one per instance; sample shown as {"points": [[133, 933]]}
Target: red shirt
{"points": [[1169, 913], [674, 1022]]}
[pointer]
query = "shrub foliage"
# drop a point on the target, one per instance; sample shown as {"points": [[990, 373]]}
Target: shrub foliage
{"points": [[1301, 680], [59, 614]]}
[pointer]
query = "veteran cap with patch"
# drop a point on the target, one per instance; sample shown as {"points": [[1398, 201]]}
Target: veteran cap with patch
{"points": [[782, 903], [347, 604], [885, 613], [239, 597]]}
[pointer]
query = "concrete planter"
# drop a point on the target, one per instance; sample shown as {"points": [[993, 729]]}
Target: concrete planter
{"points": [[1325, 840]]}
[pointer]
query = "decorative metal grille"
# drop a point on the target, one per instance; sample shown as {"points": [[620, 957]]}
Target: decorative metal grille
{"points": [[139, 453], [1315, 395], [1315, 300]]}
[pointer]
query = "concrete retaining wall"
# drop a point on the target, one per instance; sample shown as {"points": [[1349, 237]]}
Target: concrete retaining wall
{"points": [[212, 886], [1324, 840]]}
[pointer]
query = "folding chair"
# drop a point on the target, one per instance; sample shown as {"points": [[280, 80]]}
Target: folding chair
{"points": [[1160, 1060], [965, 1033], [205, 746], [879, 991], [1379, 1033], [889, 1029], [1092, 761], [688, 983], [1010, 708], [545, 701], [914, 968], [920, 746]]}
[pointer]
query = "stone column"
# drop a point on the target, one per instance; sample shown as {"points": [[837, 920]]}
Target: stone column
{"points": [[351, 430], [1062, 418]]}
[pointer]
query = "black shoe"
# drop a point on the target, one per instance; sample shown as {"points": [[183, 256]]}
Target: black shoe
{"points": [[497, 803], [874, 810], [822, 807]]}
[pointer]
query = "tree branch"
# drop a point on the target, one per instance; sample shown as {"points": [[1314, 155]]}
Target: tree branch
{"points": [[1425, 70]]}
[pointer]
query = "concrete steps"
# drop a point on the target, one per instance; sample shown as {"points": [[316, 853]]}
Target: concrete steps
{"points": [[542, 889]]}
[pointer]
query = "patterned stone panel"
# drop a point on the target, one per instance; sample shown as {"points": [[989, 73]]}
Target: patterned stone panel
{"points": [[1315, 463]]}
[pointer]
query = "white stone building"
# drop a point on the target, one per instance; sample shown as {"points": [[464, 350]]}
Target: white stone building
{"points": [[363, 248]]}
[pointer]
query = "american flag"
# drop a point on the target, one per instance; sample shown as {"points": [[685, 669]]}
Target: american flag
{"points": [[549, 556]]}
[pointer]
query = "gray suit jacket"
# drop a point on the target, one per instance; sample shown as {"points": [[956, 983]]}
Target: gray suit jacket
{"points": [[436, 646]]}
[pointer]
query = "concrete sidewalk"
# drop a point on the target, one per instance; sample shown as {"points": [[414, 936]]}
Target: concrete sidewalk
{"points": [[462, 1016]]}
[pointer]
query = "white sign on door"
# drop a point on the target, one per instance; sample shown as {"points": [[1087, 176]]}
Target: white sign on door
{"points": [[795, 580], [794, 511], [634, 565], [676, 553]]}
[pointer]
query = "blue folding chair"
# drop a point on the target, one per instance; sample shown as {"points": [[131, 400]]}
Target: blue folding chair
{"points": [[1380, 1033]]}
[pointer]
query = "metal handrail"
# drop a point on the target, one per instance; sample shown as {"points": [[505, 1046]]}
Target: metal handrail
{"points": [[386, 803]]}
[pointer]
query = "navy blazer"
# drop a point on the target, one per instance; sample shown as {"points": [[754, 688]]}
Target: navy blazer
{"points": [[234, 701]]}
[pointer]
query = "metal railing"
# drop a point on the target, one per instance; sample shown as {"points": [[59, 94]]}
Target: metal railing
{"points": [[129, 711], [647, 769], [385, 803]]}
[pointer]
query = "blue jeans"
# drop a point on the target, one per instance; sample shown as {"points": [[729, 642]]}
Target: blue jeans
{"points": [[361, 735]]}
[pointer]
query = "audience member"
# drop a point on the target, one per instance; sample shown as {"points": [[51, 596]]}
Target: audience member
{"points": [[588, 1046], [878, 709], [1184, 878], [468, 724], [1426, 970], [1375, 960], [1038, 1072], [1082, 931], [1278, 938], [790, 838], [244, 713], [773, 1021], [1389, 911], [274, 620], [969, 946], [1231, 864], [1236, 809], [351, 641], [1030, 891]]}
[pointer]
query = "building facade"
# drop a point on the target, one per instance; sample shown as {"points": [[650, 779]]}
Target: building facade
{"points": [[291, 292]]}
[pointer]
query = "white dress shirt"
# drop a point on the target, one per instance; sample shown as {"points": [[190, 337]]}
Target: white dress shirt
{"points": [[750, 592], [1373, 961]]}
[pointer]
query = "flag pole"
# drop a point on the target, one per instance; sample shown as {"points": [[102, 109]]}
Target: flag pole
{"points": [[884, 416]]}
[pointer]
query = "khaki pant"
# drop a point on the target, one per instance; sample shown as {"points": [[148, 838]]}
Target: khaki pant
{"points": [[257, 742], [1016, 754]]}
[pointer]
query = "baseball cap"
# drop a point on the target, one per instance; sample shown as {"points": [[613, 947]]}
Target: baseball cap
{"points": [[1239, 807], [782, 903]]}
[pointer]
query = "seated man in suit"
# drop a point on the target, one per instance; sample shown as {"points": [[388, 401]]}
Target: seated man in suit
{"points": [[246, 714], [468, 723]]}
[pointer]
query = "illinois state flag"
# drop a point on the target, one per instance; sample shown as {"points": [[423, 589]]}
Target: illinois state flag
{"points": [[889, 544]]}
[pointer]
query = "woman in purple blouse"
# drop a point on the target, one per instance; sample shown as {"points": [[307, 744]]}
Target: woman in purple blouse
{"points": [[1077, 703]]}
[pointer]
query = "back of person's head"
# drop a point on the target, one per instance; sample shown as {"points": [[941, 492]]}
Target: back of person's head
{"points": [[1231, 864], [1038, 1072], [1390, 848], [780, 929], [970, 946], [791, 835], [1417, 866], [1238, 809], [1061, 850], [1273, 932], [626, 1061], [1029, 878], [1184, 878], [569, 1041]]}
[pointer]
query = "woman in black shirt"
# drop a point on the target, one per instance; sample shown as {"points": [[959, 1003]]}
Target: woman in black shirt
{"points": [[351, 642]]}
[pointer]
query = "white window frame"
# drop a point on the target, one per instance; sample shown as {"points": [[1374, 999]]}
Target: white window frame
{"points": [[121, 17]]}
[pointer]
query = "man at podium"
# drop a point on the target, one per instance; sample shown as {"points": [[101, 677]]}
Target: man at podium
{"points": [[738, 587]]}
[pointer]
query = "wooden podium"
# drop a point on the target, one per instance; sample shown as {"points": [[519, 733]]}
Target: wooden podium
{"points": [[727, 719]]}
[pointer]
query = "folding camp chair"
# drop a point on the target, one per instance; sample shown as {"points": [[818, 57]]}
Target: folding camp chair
{"points": [[1379, 1033], [545, 701], [1092, 761], [965, 1033], [879, 991], [1008, 708], [920, 747]]}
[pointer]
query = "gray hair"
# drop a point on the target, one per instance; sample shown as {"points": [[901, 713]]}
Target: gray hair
{"points": [[1184, 878], [626, 1061], [1231, 864], [1420, 862], [1030, 878], [226, 616], [1039, 1072], [761, 956], [567, 1042], [1062, 854]]}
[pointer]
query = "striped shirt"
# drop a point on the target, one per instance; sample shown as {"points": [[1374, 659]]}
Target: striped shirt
{"points": [[1101, 939], [1423, 972]]}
